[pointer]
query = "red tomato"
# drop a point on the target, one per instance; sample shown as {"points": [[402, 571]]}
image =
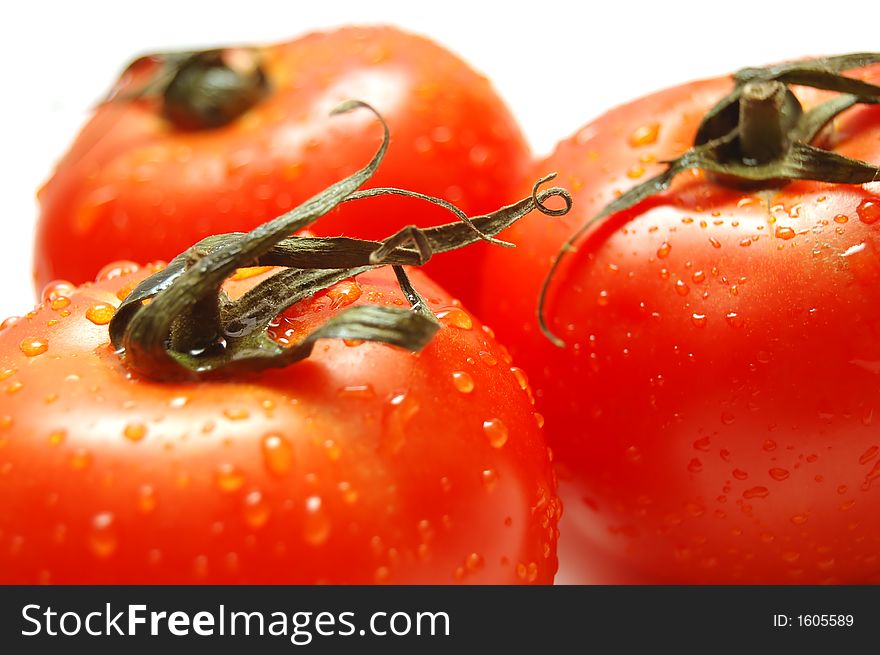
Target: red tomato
{"points": [[136, 186], [364, 463], [715, 410]]}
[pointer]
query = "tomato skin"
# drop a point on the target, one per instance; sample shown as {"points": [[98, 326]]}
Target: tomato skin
{"points": [[714, 413], [362, 464], [132, 187]]}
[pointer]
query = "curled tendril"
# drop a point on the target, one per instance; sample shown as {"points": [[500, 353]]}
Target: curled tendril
{"points": [[719, 148], [540, 204]]}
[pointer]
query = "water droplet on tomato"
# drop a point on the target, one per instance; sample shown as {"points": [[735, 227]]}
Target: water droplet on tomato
{"points": [[256, 510], [349, 493], [487, 358], [100, 313], [695, 465], [872, 475], [779, 474], [442, 134], [9, 322], [462, 381], [116, 269], [236, 413], [361, 391], [633, 454], [382, 574], [826, 564], [344, 293], [332, 449], [102, 536], [33, 346], [200, 566], [841, 218], [402, 409], [644, 135], [868, 211], [539, 419], [229, 479], [739, 474], [521, 377], [681, 288], [473, 562], [664, 250], [55, 290], [80, 460], [635, 172], [489, 478], [59, 302], [277, 454], [733, 319], [178, 401], [531, 572], [146, 499], [455, 317], [784, 232], [316, 527], [134, 431], [496, 432], [868, 455], [756, 492]]}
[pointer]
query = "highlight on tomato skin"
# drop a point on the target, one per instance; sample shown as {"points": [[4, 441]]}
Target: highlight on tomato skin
{"points": [[132, 186], [713, 414], [363, 464]]}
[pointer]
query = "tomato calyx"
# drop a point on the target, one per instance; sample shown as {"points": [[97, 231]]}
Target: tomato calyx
{"points": [[203, 89], [758, 135], [178, 324], [214, 87]]}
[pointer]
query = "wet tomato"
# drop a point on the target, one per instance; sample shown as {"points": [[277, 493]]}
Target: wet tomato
{"points": [[363, 464], [715, 409], [151, 174]]}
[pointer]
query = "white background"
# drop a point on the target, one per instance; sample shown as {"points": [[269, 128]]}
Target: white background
{"points": [[557, 64]]}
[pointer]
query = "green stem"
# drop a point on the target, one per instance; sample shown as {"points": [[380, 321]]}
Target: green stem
{"points": [[763, 129]]}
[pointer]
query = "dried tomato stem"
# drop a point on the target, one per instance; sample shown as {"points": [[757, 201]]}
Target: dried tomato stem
{"points": [[764, 122], [177, 324]]}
